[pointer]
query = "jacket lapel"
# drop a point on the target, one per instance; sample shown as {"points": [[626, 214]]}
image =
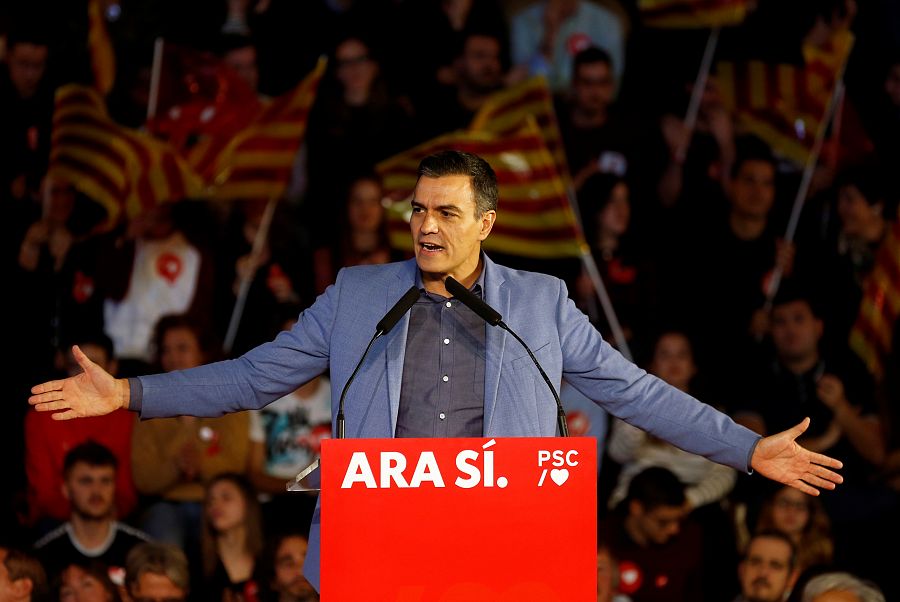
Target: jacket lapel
{"points": [[396, 339], [496, 294]]}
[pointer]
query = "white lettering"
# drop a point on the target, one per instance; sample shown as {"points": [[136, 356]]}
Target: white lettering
{"points": [[359, 471], [427, 470], [489, 469], [468, 469], [569, 459], [392, 466], [543, 456]]}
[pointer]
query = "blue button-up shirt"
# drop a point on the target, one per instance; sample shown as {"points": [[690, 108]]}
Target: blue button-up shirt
{"points": [[442, 393]]}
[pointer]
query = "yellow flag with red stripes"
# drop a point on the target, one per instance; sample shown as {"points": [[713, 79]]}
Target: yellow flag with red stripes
{"points": [[124, 170], [872, 334], [534, 218], [506, 111], [257, 162], [785, 104], [688, 14]]}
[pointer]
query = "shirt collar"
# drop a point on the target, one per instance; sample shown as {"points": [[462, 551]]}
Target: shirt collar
{"points": [[477, 287]]}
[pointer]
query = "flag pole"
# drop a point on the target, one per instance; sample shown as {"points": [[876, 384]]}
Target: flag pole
{"points": [[155, 76], [259, 241], [693, 110], [593, 273], [811, 161]]}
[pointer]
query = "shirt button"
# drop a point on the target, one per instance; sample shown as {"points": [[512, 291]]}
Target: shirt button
{"points": [[446, 341], [449, 304], [442, 415], [445, 378]]}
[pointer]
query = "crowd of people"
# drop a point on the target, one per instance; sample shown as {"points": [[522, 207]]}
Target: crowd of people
{"points": [[686, 244]]}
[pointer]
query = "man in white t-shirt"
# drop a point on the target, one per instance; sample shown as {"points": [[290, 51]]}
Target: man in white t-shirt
{"points": [[285, 438]]}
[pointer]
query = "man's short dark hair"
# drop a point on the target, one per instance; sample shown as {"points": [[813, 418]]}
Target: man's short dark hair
{"points": [[26, 34], [461, 163], [93, 337], [752, 148], [20, 565], [791, 291], [589, 56], [655, 487], [91, 453], [780, 536], [158, 559]]}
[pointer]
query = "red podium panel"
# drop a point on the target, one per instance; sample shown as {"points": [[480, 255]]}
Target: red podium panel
{"points": [[459, 520]]}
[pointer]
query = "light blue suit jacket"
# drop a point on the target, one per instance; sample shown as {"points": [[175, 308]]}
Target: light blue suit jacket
{"points": [[333, 333]]}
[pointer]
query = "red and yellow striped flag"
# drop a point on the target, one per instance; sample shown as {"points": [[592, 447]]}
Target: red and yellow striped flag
{"points": [[120, 168], [103, 59], [692, 14], [257, 162], [783, 104], [873, 331], [505, 112], [534, 218]]}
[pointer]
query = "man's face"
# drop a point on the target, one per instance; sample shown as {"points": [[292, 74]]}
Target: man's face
{"points": [[289, 559], [795, 331], [593, 88], [446, 234], [356, 69], [77, 585], [857, 215], [180, 350], [152, 587], [27, 63], [479, 66], [660, 524], [765, 572], [673, 360], [243, 62], [91, 490], [753, 189]]}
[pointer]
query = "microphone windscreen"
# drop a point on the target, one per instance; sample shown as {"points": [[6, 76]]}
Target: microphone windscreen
{"points": [[470, 300], [400, 308]]}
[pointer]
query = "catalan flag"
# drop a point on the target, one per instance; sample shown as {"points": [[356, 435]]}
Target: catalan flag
{"points": [[506, 111], [124, 170], [256, 163], [691, 14], [872, 333], [534, 218], [785, 104], [199, 98], [103, 59]]}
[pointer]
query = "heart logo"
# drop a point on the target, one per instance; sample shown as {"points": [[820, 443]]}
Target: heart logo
{"points": [[559, 475], [168, 265]]}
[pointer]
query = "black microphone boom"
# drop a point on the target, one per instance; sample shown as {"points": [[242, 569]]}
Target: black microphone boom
{"points": [[388, 322], [492, 317]]}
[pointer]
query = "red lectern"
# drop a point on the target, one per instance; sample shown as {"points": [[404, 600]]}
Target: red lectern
{"points": [[459, 520]]}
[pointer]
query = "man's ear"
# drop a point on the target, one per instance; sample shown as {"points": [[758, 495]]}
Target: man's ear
{"points": [[487, 223], [22, 588]]}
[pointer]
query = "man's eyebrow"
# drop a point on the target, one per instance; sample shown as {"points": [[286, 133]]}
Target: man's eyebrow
{"points": [[448, 207]]}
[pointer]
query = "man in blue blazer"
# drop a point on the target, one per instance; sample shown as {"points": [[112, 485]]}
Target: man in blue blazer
{"points": [[421, 379]]}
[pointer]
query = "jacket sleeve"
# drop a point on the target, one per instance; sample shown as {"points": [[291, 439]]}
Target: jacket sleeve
{"points": [[592, 366], [253, 380]]}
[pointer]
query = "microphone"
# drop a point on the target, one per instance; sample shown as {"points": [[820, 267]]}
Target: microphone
{"points": [[383, 327], [492, 317]]}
